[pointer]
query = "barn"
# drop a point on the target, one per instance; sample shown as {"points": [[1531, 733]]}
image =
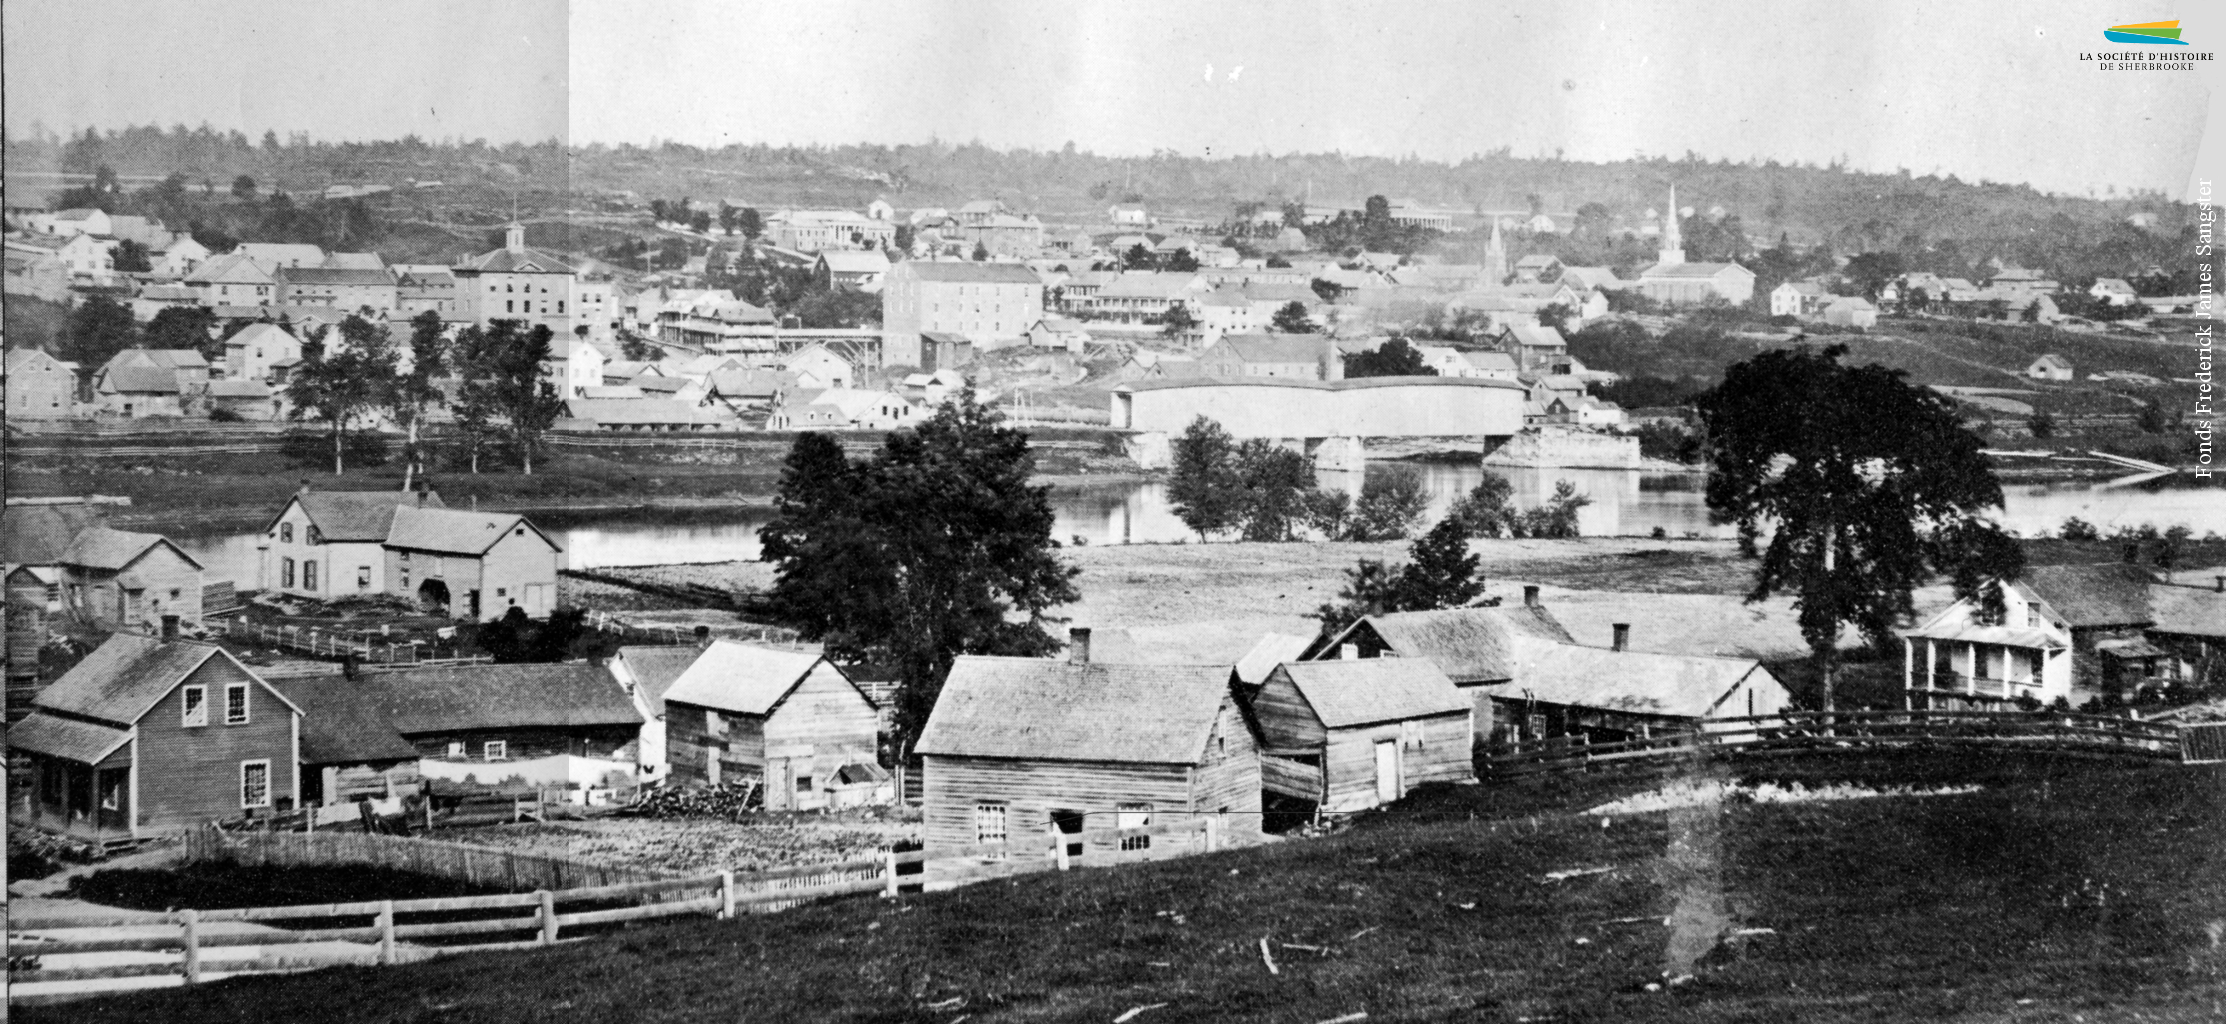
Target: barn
{"points": [[1350, 735], [1471, 646], [1019, 746], [790, 720]]}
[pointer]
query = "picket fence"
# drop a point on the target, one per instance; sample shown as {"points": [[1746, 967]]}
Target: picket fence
{"points": [[723, 895], [1854, 732]]}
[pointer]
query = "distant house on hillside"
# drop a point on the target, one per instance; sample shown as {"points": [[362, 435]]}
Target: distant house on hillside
{"points": [[40, 386], [2050, 367], [1851, 311], [1798, 298], [1353, 734], [2116, 291], [792, 721], [1017, 747]]}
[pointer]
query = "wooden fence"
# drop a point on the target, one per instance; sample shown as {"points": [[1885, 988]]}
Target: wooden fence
{"points": [[1854, 732], [335, 644], [724, 895]]}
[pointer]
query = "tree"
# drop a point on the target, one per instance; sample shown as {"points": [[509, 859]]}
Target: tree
{"points": [[1487, 510], [97, 330], [1557, 518], [1391, 502], [339, 382], [186, 327], [1371, 588], [981, 253], [504, 378], [750, 222], [1180, 261], [2042, 425], [1274, 482], [1443, 573], [938, 546], [1394, 358], [727, 216], [131, 257], [1139, 257], [637, 348], [902, 241], [1872, 271], [1178, 321], [1292, 319], [243, 188], [700, 221], [410, 395], [1857, 473]]}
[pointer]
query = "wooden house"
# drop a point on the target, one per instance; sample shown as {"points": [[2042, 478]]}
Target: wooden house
{"points": [[472, 565], [1350, 735], [1020, 746], [149, 735], [120, 580], [328, 544], [1611, 694], [790, 720], [350, 750], [540, 724], [1470, 645], [645, 673]]}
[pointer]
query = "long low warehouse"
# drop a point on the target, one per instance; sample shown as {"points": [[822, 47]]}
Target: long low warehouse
{"points": [[1362, 407]]}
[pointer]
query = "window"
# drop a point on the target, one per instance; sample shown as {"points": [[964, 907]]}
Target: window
{"points": [[500, 591], [196, 705], [456, 750], [285, 572], [989, 823], [495, 750], [803, 783], [255, 783], [1127, 816], [308, 575], [134, 604], [313, 535], [235, 704], [402, 557], [286, 532], [363, 577]]}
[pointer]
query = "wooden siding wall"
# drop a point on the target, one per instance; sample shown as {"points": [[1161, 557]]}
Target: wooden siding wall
{"points": [[1443, 755], [513, 563], [1286, 720], [1229, 780], [1031, 790], [820, 726], [614, 742], [692, 736], [190, 776], [459, 573]]}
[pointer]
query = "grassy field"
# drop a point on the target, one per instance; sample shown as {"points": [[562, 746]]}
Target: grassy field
{"points": [[699, 846], [2059, 892]]}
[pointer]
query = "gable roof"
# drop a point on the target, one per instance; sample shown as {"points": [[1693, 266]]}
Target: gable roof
{"points": [[1270, 348], [1643, 682], [127, 674], [258, 333], [2189, 611], [345, 722], [969, 273], [1272, 650], [327, 275], [1470, 645], [455, 532], [1536, 336], [654, 670], [71, 738], [354, 516], [39, 534], [1053, 709], [99, 547], [467, 697], [1364, 691], [1692, 271], [523, 261], [2086, 596], [743, 678]]}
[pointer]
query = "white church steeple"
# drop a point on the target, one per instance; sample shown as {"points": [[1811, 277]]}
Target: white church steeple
{"points": [[1495, 258], [1673, 245]]}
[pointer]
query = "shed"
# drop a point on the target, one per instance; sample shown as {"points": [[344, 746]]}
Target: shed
{"points": [[1472, 646], [1019, 746], [789, 720], [1351, 735], [129, 580], [1608, 695], [541, 724]]}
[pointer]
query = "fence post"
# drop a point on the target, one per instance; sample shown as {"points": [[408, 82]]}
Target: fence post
{"points": [[1059, 847], [726, 895], [548, 916], [1213, 834], [889, 873], [386, 932], [190, 922]]}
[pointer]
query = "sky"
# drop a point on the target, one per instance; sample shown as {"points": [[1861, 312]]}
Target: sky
{"points": [[1992, 91]]}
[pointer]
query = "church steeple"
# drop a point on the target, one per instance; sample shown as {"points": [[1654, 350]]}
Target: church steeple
{"points": [[1495, 258], [1673, 244]]}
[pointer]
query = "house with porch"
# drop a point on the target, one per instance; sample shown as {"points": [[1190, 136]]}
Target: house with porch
{"points": [[152, 735], [1019, 747], [1967, 658], [790, 721], [1352, 734], [471, 565]]}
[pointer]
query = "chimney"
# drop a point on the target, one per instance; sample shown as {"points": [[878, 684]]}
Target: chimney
{"points": [[2222, 584], [1078, 645], [703, 636], [169, 627], [1530, 595], [1622, 640], [304, 486], [1348, 652]]}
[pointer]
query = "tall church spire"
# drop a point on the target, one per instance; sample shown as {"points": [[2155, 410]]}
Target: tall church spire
{"points": [[1495, 258], [1673, 245]]}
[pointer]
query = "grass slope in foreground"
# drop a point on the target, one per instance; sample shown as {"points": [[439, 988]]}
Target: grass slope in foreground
{"points": [[2062, 889]]}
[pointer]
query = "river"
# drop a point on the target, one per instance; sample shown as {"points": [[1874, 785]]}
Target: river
{"points": [[1624, 502]]}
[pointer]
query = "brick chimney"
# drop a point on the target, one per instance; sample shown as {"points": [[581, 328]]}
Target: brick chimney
{"points": [[169, 627], [1530, 595], [1348, 652], [1078, 645], [1622, 641]]}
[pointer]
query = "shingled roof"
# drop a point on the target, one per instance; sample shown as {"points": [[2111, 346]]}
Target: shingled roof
{"points": [[39, 534], [742, 678], [1470, 645], [126, 675], [2089, 596], [102, 548], [468, 697], [354, 517], [1640, 682], [1364, 691], [655, 669], [1057, 710], [70, 738], [345, 721], [454, 531]]}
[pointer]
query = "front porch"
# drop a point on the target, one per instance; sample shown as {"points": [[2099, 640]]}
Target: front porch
{"points": [[1968, 672], [86, 803]]}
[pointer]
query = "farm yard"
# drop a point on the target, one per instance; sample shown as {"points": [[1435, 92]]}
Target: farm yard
{"points": [[1496, 903]]}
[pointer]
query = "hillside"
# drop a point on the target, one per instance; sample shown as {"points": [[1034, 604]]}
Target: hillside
{"points": [[2057, 889]]}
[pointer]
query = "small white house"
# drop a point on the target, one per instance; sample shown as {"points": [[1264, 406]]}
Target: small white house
{"points": [[1966, 658], [2114, 290], [2050, 367], [1851, 311], [817, 367]]}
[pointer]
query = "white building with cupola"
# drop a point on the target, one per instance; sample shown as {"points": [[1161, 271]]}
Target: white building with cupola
{"points": [[519, 283]]}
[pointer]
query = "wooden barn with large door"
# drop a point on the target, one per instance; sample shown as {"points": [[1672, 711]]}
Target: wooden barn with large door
{"points": [[1350, 735], [1472, 646], [790, 720], [1019, 746]]}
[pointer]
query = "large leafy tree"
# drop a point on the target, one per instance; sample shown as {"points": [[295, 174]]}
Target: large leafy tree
{"points": [[98, 329], [339, 381], [186, 327], [504, 380], [1442, 573], [1203, 488], [1291, 318], [412, 394], [937, 546], [1394, 358], [1865, 483]]}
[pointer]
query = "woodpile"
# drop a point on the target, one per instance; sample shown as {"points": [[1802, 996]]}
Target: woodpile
{"points": [[729, 803]]}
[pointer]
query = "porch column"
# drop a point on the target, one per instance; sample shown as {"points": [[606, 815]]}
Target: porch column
{"points": [[1971, 668], [1932, 661]]}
